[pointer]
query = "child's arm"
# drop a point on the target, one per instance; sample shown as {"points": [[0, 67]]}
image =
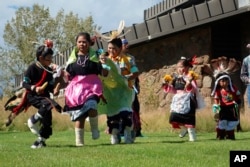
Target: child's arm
{"points": [[168, 88], [244, 71], [216, 105]]}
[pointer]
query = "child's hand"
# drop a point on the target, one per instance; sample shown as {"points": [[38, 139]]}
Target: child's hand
{"points": [[56, 90], [164, 85], [40, 89]]}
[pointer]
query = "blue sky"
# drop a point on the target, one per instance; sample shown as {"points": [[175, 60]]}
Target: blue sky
{"points": [[106, 13]]}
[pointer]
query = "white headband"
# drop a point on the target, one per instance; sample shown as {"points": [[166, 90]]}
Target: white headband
{"points": [[217, 80]]}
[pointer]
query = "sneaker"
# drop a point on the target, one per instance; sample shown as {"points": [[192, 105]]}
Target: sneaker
{"points": [[33, 127], [79, 144], [38, 144]]}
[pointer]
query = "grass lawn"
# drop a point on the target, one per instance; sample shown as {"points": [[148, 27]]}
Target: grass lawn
{"points": [[164, 149]]}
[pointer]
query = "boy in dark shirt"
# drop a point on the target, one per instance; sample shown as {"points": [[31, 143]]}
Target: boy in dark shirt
{"points": [[39, 83]]}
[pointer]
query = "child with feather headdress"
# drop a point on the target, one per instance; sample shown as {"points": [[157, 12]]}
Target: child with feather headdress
{"points": [[226, 97]]}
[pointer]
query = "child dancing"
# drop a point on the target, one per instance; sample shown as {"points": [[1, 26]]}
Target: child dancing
{"points": [[226, 103], [183, 107], [38, 82]]}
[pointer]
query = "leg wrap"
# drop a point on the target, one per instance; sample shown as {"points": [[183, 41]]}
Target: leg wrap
{"points": [[113, 122]]}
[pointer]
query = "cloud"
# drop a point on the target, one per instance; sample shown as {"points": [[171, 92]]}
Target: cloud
{"points": [[13, 7], [106, 13]]}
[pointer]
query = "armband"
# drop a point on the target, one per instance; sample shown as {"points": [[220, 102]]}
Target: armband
{"points": [[106, 67], [216, 108]]}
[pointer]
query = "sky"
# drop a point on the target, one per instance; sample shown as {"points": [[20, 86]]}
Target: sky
{"points": [[106, 13]]}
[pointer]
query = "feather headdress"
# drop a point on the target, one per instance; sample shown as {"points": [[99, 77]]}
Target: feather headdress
{"points": [[222, 67], [113, 34]]}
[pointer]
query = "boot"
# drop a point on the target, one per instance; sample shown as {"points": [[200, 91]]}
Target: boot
{"points": [[79, 133], [115, 136], [128, 139], [221, 134], [183, 132], [192, 134], [230, 135], [94, 127]]}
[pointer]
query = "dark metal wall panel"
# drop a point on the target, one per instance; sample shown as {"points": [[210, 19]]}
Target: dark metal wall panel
{"points": [[215, 7], [177, 19], [228, 5], [104, 43], [190, 15], [131, 35], [153, 26], [202, 11], [141, 30], [166, 23]]}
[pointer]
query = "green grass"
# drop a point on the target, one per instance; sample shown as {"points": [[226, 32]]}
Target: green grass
{"points": [[164, 149]]}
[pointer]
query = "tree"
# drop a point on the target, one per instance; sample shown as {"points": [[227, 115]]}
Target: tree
{"points": [[10, 64], [33, 25], [68, 26]]}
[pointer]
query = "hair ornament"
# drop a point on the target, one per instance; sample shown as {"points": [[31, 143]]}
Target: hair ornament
{"points": [[113, 34], [47, 43]]}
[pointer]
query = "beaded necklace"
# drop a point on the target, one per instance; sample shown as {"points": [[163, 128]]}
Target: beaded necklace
{"points": [[80, 62], [41, 66]]}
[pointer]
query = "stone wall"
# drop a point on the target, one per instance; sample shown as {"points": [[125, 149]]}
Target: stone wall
{"points": [[152, 95], [158, 58]]}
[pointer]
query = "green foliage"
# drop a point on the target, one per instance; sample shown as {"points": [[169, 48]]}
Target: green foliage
{"points": [[10, 65], [154, 149], [34, 25], [31, 26]]}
